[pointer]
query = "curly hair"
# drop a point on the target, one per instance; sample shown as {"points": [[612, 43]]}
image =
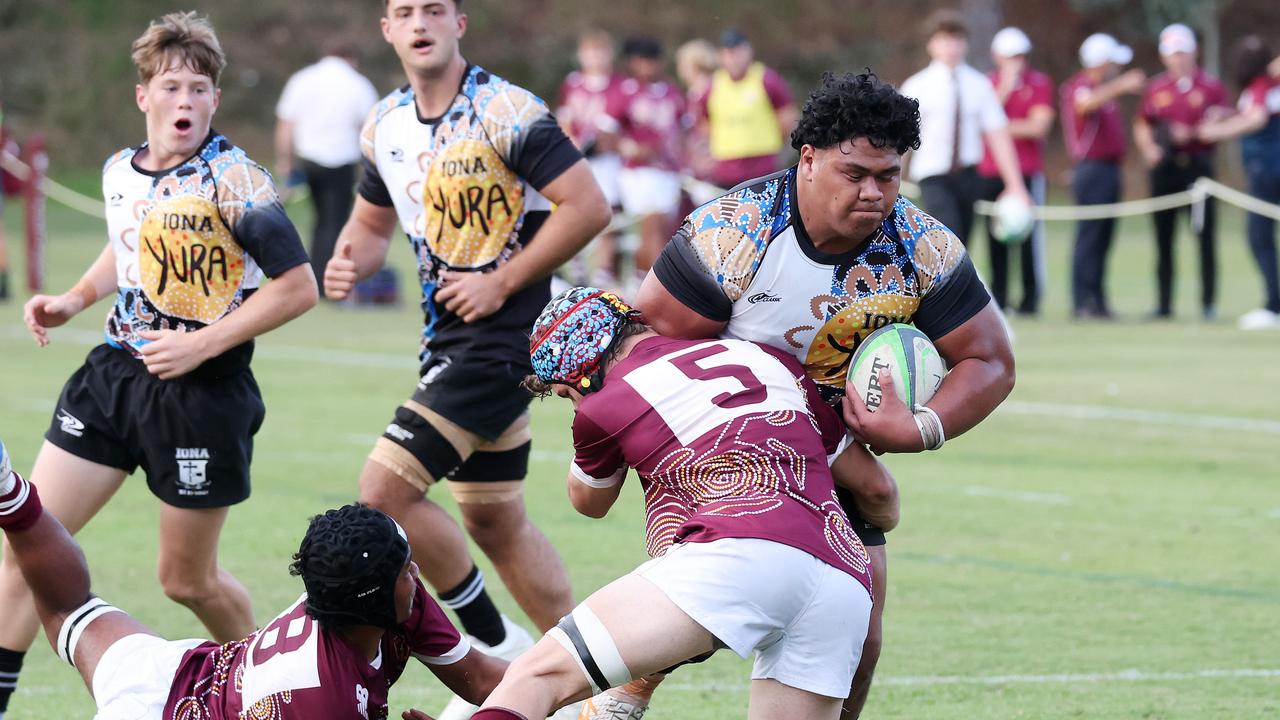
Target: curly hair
{"points": [[349, 561], [849, 106]]}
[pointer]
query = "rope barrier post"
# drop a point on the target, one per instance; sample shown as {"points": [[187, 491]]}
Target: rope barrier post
{"points": [[37, 159]]}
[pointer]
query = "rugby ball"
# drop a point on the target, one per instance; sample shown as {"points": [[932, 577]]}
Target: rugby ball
{"points": [[909, 359], [1012, 222]]}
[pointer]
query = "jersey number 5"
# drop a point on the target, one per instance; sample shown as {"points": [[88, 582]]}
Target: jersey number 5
{"points": [[753, 390]]}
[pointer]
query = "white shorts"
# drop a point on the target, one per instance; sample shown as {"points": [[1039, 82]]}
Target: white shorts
{"points": [[134, 676], [605, 167], [649, 191], [805, 619]]}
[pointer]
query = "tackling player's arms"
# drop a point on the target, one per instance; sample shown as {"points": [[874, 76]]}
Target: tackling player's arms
{"points": [[873, 487], [473, 677], [668, 316]]}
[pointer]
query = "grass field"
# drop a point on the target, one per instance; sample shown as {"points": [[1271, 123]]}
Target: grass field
{"points": [[1107, 545]]}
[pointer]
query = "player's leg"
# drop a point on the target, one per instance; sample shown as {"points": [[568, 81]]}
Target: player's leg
{"points": [[629, 628], [79, 627], [852, 706], [772, 700], [73, 490], [190, 575]]}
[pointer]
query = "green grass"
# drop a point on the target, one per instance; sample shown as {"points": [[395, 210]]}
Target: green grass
{"points": [[1040, 544]]}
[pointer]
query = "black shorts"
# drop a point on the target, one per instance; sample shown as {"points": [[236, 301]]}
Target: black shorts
{"points": [[194, 439], [870, 535]]}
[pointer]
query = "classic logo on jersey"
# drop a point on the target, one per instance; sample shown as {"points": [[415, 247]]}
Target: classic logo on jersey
{"points": [[191, 267], [474, 203]]}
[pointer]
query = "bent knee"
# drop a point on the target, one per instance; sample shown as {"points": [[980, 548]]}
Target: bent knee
{"points": [[493, 526], [550, 669], [384, 490], [189, 589]]}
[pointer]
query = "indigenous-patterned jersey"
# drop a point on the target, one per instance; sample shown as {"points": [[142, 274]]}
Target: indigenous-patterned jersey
{"points": [[465, 187], [651, 115], [746, 259], [295, 669], [730, 440], [192, 242], [584, 103]]}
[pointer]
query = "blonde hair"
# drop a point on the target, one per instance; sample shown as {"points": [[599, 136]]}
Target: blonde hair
{"points": [[698, 56], [180, 39]]}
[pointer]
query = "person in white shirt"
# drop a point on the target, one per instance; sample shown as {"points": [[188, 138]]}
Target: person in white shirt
{"points": [[318, 120], [959, 111]]}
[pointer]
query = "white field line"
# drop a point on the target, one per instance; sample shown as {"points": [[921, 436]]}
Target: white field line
{"points": [[915, 680], [360, 358], [1019, 495]]}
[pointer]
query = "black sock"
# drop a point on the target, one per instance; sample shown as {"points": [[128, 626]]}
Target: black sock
{"points": [[10, 666], [480, 618]]}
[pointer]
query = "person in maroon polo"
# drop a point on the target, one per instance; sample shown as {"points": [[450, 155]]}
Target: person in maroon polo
{"points": [[1095, 137], [1173, 106], [1027, 97]]}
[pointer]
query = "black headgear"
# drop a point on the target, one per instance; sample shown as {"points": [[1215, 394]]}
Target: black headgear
{"points": [[350, 560]]}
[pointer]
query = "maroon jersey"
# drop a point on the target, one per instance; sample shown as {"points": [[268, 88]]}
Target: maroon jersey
{"points": [[1182, 100], [651, 115], [730, 439], [295, 669], [1034, 89], [1098, 135], [584, 102]]}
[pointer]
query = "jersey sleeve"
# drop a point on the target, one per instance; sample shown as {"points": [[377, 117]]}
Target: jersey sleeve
{"points": [[527, 136], [776, 87], [248, 203], [1042, 92], [681, 270], [991, 115], [433, 639], [372, 187], [597, 459], [950, 290]]}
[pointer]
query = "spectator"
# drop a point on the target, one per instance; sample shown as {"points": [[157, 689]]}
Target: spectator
{"points": [[582, 109], [1257, 124], [1095, 139], [1027, 97], [318, 119], [695, 64], [1174, 104], [651, 132], [958, 111], [748, 114]]}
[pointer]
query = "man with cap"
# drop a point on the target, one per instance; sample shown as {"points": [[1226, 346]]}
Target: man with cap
{"points": [[1027, 97], [1173, 106], [959, 114], [1095, 138], [334, 653], [734, 448], [747, 113]]}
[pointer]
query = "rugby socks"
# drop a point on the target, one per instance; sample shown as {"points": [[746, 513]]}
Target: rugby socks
{"points": [[479, 616], [10, 666], [497, 713], [20, 506]]}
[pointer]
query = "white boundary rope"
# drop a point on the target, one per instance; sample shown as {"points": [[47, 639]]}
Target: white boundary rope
{"points": [[53, 189], [702, 192]]}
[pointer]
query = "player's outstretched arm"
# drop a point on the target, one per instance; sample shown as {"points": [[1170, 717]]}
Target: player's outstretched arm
{"points": [[581, 213], [873, 487], [594, 498], [473, 677], [361, 248], [171, 354], [46, 311]]}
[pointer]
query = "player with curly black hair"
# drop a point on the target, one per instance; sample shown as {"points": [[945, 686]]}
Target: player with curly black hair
{"points": [[334, 653], [811, 260]]}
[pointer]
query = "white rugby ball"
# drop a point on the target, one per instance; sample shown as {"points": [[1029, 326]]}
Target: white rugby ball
{"points": [[907, 356], [1012, 222]]}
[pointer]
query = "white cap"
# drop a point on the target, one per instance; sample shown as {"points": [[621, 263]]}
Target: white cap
{"points": [[1010, 42], [1100, 48], [1177, 38]]}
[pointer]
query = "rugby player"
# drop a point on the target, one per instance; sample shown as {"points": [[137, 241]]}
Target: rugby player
{"points": [[471, 166], [333, 654], [812, 259], [194, 225], [751, 548]]}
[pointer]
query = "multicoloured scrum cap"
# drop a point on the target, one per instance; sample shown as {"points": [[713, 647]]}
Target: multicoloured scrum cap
{"points": [[574, 333]]}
